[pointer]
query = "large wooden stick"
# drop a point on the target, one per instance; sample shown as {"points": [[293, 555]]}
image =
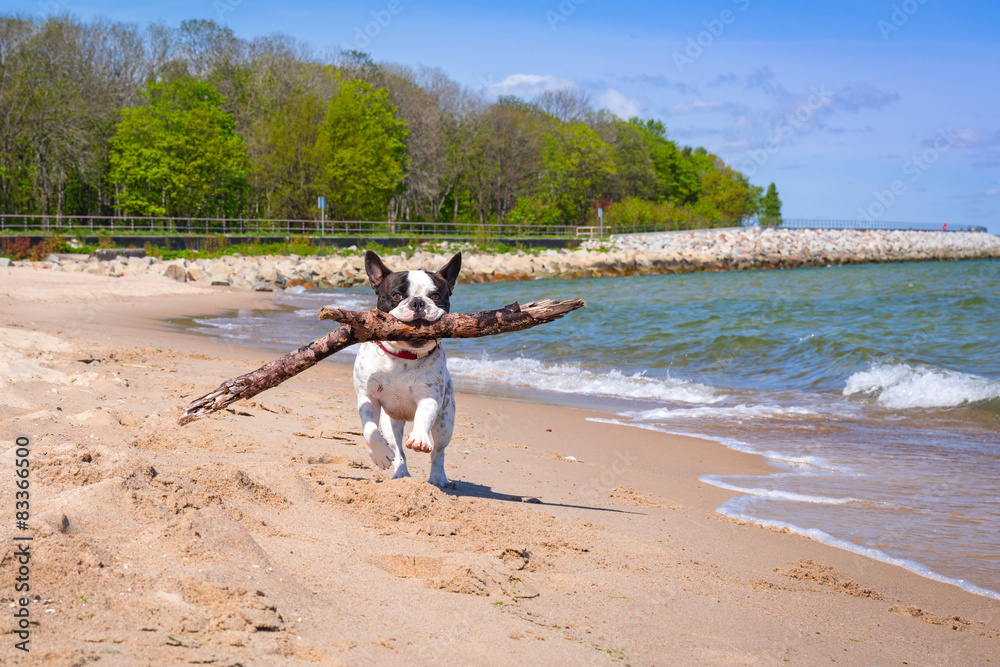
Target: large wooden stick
{"points": [[359, 327]]}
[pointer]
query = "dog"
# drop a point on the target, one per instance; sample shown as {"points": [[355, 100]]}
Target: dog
{"points": [[403, 381]]}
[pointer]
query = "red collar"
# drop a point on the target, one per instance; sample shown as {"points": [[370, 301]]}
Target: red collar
{"points": [[403, 354]]}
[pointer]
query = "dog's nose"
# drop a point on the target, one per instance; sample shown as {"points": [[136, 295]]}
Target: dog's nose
{"points": [[418, 305]]}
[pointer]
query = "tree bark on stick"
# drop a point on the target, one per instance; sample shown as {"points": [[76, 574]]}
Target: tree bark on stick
{"points": [[373, 325]]}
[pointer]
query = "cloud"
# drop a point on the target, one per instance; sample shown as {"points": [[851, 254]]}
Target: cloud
{"points": [[722, 79], [659, 81], [967, 137], [620, 105], [992, 192], [699, 106], [762, 77], [528, 85], [863, 96]]}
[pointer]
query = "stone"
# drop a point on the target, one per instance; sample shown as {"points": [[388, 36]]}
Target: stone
{"points": [[175, 272], [107, 254]]}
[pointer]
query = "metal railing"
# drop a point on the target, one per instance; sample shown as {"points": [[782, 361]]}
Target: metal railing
{"points": [[793, 223], [42, 224], [93, 224]]}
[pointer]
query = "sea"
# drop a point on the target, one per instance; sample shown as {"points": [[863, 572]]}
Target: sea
{"points": [[872, 391]]}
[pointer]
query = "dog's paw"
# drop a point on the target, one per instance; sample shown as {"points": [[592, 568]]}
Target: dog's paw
{"points": [[420, 442], [439, 479], [381, 452]]}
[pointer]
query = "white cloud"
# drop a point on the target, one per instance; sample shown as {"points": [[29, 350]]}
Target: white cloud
{"points": [[993, 192], [528, 85], [967, 137], [698, 106], [620, 105]]}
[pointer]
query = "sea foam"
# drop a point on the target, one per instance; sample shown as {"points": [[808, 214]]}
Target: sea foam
{"points": [[732, 509], [738, 412], [572, 379], [901, 386]]}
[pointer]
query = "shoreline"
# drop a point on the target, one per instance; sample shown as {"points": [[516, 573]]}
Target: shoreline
{"points": [[643, 528], [735, 249]]}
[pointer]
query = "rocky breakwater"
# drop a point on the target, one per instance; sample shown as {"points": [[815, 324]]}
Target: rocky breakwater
{"points": [[675, 252], [765, 248]]}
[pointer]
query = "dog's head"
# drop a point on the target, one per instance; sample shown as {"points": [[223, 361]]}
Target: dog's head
{"points": [[413, 295]]}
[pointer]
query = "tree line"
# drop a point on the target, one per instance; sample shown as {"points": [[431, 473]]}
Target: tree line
{"points": [[105, 118]]}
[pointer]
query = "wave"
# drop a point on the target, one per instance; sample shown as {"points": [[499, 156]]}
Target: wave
{"points": [[734, 412], [901, 386], [731, 509], [572, 379], [773, 494], [801, 463]]}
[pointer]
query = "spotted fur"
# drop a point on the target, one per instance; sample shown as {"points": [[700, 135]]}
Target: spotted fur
{"points": [[391, 390]]}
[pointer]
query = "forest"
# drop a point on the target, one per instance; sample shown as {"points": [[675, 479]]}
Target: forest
{"points": [[109, 119]]}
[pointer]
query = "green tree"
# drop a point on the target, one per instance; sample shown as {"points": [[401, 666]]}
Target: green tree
{"points": [[677, 170], [577, 164], [284, 159], [179, 154], [727, 196], [360, 152], [770, 208]]}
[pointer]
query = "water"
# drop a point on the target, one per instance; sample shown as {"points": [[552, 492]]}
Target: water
{"points": [[874, 391]]}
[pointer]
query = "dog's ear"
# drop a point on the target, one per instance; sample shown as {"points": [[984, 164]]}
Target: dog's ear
{"points": [[451, 270], [376, 270]]}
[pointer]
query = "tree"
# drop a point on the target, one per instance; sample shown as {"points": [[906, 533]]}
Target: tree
{"points": [[770, 208], [179, 154], [678, 172], [361, 152], [284, 158], [577, 165], [504, 161], [727, 197]]}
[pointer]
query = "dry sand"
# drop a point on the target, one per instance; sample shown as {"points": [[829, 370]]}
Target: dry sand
{"points": [[264, 536]]}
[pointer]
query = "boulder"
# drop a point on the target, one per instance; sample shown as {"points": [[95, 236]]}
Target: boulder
{"points": [[175, 272]]}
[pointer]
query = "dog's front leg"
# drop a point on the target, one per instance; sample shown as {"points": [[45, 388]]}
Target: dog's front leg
{"points": [[423, 419], [441, 435], [392, 430], [378, 448]]}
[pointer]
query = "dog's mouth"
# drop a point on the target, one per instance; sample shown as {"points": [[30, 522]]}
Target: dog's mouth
{"points": [[418, 320], [421, 321]]}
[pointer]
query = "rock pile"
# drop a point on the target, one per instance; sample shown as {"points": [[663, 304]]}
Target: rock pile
{"points": [[675, 252]]}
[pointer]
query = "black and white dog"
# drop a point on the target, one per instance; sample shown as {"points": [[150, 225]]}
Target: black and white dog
{"points": [[404, 381]]}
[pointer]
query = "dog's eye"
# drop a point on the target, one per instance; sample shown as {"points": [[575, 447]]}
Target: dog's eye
{"points": [[396, 296], [435, 296]]}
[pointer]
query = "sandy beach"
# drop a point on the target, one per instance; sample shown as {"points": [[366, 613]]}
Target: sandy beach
{"points": [[264, 535]]}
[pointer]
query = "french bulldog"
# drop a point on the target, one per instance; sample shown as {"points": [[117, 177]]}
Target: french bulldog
{"points": [[407, 381]]}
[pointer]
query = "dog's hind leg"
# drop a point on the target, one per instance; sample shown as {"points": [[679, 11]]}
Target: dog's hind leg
{"points": [[379, 449], [392, 429], [441, 436]]}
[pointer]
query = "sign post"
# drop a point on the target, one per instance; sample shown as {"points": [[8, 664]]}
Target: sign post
{"points": [[321, 203]]}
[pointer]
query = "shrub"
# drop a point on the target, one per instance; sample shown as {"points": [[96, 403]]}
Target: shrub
{"points": [[15, 248]]}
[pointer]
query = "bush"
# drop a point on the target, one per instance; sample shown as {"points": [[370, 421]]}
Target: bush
{"points": [[54, 244], [15, 248], [632, 212]]}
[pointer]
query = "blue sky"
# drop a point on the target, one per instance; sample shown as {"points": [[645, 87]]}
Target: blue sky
{"points": [[878, 108]]}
